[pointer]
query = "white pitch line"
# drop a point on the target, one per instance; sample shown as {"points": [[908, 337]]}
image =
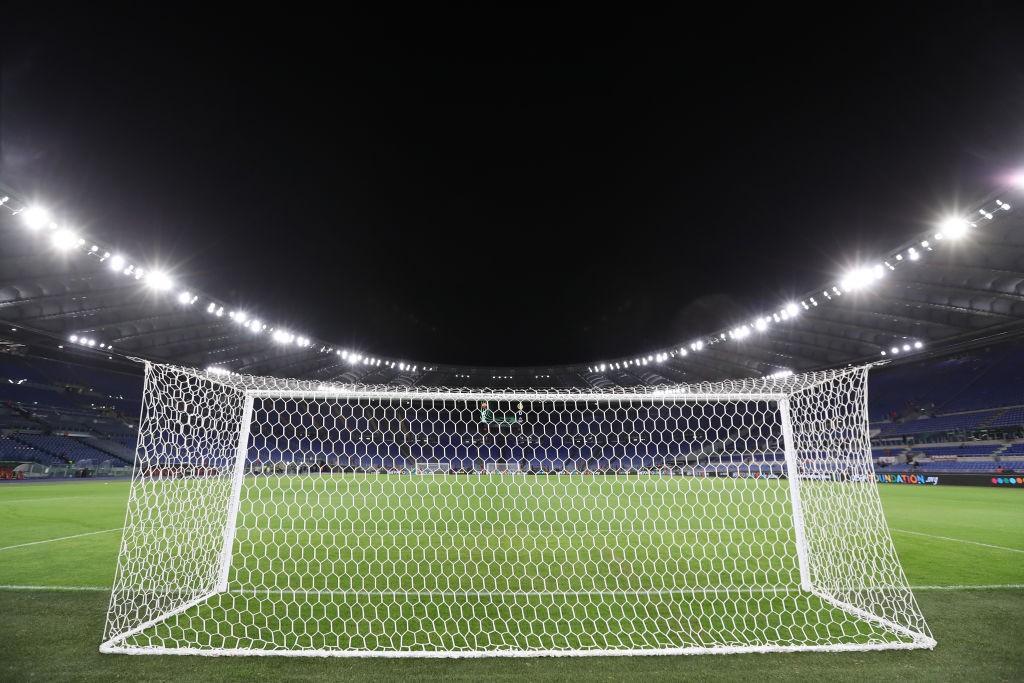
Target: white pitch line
{"points": [[91, 589], [105, 589], [971, 586], [959, 540], [62, 538]]}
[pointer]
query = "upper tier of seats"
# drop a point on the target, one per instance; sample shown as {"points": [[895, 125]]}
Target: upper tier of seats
{"points": [[53, 383], [983, 378]]}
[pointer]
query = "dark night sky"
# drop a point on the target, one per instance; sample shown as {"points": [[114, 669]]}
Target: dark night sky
{"points": [[510, 188]]}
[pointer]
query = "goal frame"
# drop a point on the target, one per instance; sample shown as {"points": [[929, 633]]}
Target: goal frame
{"points": [[780, 398]]}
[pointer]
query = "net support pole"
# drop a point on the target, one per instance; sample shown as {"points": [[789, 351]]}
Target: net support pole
{"points": [[237, 474], [793, 475]]}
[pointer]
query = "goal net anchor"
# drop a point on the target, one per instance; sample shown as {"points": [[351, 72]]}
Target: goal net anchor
{"points": [[277, 517]]}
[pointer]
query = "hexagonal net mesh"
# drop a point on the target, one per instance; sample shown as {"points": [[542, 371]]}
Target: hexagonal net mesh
{"points": [[285, 517]]}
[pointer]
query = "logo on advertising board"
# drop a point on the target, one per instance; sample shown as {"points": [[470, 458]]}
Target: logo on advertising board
{"points": [[907, 479]]}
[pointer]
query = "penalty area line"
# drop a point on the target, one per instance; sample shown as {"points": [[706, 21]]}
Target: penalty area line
{"points": [[971, 587], [959, 540], [61, 538]]}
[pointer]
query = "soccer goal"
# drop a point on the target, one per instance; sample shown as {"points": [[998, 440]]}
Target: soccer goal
{"points": [[284, 517]]}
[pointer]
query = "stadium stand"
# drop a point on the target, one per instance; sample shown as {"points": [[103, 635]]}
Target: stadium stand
{"points": [[938, 415]]}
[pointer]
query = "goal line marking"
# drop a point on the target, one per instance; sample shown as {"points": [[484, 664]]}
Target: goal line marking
{"points": [[959, 540], [89, 589], [61, 538], [106, 589]]}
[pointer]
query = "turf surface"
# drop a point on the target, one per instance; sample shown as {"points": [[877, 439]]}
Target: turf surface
{"points": [[946, 537]]}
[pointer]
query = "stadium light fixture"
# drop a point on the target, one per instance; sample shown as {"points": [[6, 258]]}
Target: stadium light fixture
{"points": [[64, 239], [185, 298], [35, 217], [158, 280], [918, 345], [953, 227], [117, 262], [761, 325], [861, 278]]}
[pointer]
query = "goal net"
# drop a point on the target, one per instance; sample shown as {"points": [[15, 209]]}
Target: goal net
{"points": [[279, 517]]}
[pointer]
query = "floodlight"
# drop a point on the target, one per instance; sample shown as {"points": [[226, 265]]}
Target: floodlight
{"points": [[158, 280], [64, 239], [73, 338], [35, 217], [906, 347], [895, 349], [918, 345], [116, 262], [953, 227], [859, 278], [792, 309]]}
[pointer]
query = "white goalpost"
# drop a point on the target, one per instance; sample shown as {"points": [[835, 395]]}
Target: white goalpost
{"points": [[285, 517]]}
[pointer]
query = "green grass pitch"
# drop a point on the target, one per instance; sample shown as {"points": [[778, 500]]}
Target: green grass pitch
{"points": [[962, 548]]}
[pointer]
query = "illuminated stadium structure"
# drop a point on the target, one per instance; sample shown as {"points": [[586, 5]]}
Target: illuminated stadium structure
{"points": [[959, 283], [260, 447]]}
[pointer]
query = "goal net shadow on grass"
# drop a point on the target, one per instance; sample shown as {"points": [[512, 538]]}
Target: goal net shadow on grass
{"points": [[275, 517]]}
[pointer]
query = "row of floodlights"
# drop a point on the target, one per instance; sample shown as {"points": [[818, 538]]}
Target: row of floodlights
{"points": [[63, 239], [355, 358], [37, 218], [854, 280], [905, 347], [89, 342]]}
